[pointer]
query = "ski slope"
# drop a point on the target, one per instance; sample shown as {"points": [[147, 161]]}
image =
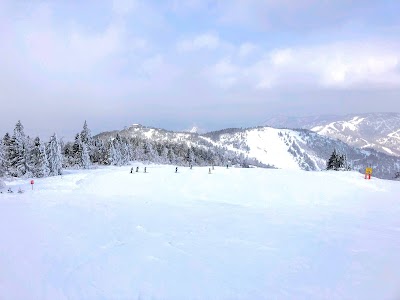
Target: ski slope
{"points": [[232, 234]]}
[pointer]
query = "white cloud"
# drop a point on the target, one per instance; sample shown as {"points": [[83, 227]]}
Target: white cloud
{"points": [[281, 57], [204, 41], [73, 52], [124, 7], [246, 49], [224, 73], [337, 65], [153, 64]]}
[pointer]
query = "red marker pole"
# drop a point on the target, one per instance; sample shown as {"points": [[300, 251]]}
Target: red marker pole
{"points": [[32, 183]]}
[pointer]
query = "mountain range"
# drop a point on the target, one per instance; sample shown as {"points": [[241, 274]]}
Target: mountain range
{"points": [[281, 148], [379, 131]]}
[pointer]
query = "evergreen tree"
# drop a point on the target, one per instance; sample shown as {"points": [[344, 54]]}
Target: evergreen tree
{"points": [[190, 156], [68, 155], [87, 139], [81, 152], [139, 151], [54, 156], [77, 150], [85, 159], [38, 159], [86, 135], [117, 142], [3, 169], [337, 162], [6, 158], [331, 163], [99, 152], [112, 155], [164, 155], [18, 152]]}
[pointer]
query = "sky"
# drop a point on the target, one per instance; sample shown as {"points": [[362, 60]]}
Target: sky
{"points": [[175, 64]]}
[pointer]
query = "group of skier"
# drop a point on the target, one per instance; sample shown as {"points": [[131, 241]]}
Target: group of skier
{"points": [[137, 170], [10, 191], [176, 169]]}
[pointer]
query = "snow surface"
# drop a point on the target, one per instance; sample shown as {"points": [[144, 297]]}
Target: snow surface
{"points": [[269, 148], [234, 234]]}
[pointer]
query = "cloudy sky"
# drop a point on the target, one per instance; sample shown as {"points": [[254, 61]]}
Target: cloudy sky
{"points": [[210, 63]]}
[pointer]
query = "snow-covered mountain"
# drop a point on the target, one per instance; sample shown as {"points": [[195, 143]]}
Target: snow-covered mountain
{"points": [[379, 131], [281, 148]]}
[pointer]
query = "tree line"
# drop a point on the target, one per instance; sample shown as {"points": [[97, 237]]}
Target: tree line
{"points": [[22, 156]]}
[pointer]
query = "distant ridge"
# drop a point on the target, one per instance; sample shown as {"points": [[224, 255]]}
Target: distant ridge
{"points": [[379, 131]]}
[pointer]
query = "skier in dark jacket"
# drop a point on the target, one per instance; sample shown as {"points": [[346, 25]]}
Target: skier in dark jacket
{"points": [[137, 169], [176, 170]]}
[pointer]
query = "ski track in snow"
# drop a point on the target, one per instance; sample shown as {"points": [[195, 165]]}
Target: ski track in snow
{"points": [[232, 234]]}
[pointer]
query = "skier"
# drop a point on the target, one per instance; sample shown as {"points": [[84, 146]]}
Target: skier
{"points": [[209, 170], [131, 170], [176, 170], [213, 167], [227, 166], [191, 167], [137, 169], [145, 169]]}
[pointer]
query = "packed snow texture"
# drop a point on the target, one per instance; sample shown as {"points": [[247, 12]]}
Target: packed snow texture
{"points": [[232, 234]]}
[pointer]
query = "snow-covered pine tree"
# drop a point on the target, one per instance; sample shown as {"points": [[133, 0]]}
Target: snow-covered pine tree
{"points": [[332, 161], [87, 139], [54, 156], [112, 156], [337, 162], [85, 159], [190, 156], [99, 152], [3, 169], [118, 160], [138, 151], [149, 152], [6, 148], [77, 150], [164, 155], [18, 152], [86, 135], [125, 153], [68, 155], [38, 159], [171, 156]]}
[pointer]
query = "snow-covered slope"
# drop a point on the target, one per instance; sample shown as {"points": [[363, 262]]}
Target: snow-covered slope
{"points": [[379, 131], [234, 234]]}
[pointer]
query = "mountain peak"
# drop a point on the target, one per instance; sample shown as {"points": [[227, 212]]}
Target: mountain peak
{"points": [[194, 129]]}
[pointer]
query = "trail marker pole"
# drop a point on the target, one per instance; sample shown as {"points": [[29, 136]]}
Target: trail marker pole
{"points": [[32, 183], [368, 173]]}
